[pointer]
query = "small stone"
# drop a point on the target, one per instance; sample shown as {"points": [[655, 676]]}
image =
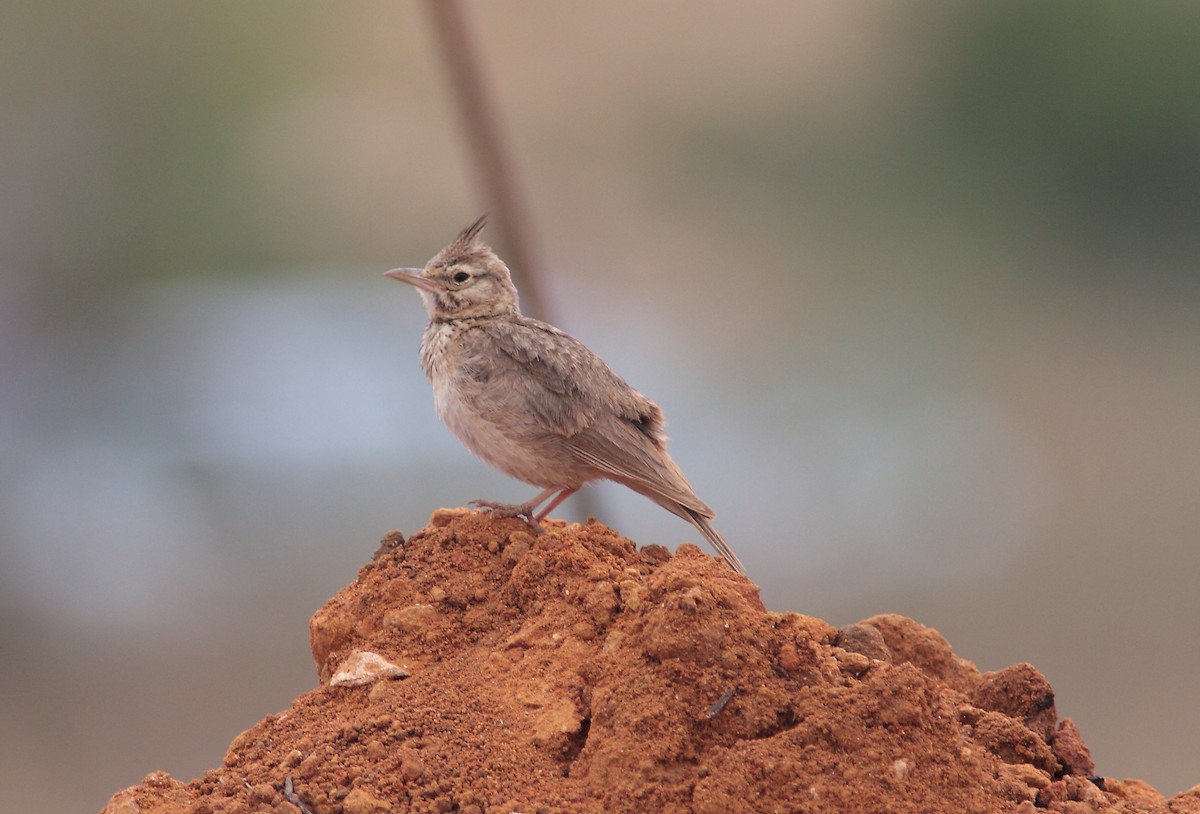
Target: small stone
{"points": [[863, 639], [901, 767], [436, 594], [853, 663], [363, 667]]}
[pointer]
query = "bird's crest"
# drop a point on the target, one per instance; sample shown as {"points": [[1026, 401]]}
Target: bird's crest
{"points": [[469, 235], [467, 246]]}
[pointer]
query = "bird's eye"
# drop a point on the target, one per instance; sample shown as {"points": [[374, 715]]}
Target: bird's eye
{"points": [[461, 277]]}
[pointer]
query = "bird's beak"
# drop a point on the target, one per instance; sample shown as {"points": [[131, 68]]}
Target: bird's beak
{"points": [[413, 277]]}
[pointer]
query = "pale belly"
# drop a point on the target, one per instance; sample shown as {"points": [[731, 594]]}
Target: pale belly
{"points": [[487, 440]]}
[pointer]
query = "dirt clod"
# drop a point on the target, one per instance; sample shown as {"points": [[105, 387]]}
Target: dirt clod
{"points": [[1020, 692], [572, 672]]}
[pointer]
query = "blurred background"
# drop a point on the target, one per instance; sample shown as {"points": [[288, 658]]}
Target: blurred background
{"points": [[916, 284]]}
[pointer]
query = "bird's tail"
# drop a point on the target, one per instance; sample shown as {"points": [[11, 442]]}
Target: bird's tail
{"points": [[718, 542], [670, 489]]}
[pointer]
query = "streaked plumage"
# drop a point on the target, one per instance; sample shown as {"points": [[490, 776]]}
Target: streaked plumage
{"points": [[534, 402]]}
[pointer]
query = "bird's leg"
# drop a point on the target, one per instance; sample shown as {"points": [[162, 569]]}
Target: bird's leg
{"points": [[552, 505], [523, 510]]}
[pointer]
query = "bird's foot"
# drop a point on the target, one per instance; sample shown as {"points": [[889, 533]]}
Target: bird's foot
{"points": [[521, 510]]}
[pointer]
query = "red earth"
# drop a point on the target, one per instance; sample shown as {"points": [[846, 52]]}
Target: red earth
{"points": [[477, 668]]}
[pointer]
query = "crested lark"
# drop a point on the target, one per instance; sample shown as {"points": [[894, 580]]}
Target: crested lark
{"points": [[534, 402]]}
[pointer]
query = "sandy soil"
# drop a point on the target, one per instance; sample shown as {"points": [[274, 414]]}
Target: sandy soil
{"points": [[476, 668]]}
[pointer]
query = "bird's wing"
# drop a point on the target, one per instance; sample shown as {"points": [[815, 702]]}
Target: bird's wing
{"points": [[562, 382], [603, 420], [626, 456]]}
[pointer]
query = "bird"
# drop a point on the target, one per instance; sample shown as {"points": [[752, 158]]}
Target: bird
{"points": [[533, 401]]}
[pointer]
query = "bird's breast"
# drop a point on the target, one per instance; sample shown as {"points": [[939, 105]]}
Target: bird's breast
{"points": [[489, 424]]}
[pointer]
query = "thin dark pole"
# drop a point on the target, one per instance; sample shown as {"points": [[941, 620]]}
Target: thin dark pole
{"points": [[507, 212]]}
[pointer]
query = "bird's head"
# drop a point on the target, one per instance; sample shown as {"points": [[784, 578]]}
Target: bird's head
{"points": [[465, 279]]}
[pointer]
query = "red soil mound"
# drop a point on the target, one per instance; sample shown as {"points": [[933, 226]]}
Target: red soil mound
{"points": [[572, 672]]}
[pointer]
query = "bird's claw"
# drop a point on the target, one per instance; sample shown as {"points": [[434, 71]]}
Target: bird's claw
{"points": [[522, 510]]}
